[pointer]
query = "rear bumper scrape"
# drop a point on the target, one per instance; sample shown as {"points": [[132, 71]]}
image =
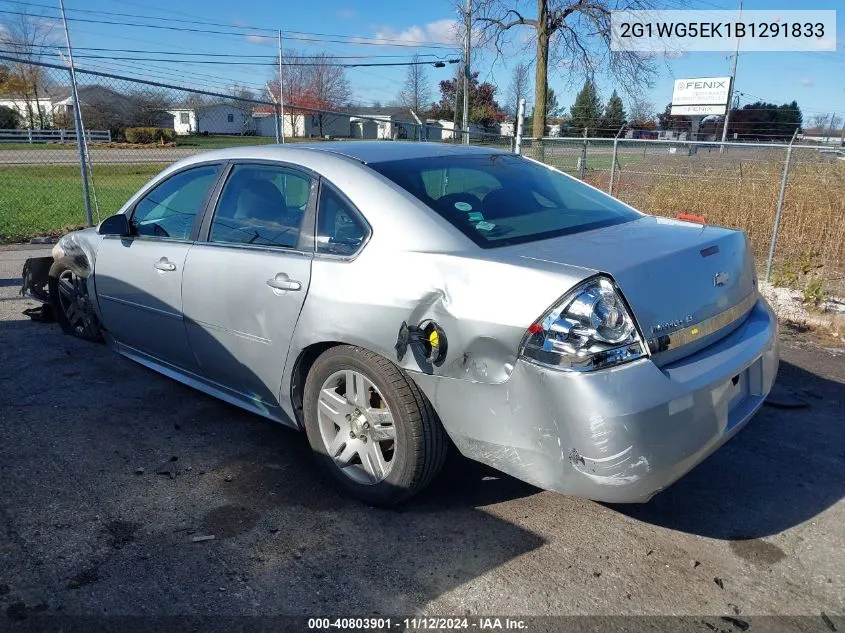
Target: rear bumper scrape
{"points": [[616, 435]]}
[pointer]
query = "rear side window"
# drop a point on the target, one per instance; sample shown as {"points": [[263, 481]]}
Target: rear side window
{"points": [[340, 230], [169, 210], [261, 205], [499, 199]]}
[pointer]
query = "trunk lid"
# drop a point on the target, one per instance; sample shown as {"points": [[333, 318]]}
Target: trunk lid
{"points": [[673, 274]]}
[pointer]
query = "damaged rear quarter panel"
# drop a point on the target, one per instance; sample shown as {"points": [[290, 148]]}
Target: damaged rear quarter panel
{"points": [[484, 307]]}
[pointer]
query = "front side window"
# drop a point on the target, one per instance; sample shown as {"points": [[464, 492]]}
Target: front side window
{"points": [[169, 210], [262, 205], [499, 199], [340, 230], [184, 118]]}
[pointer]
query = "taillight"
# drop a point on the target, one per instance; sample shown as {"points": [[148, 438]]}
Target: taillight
{"points": [[590, 328]]}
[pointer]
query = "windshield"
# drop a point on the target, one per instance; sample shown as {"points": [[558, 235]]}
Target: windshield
{"points": [[499, 199]]}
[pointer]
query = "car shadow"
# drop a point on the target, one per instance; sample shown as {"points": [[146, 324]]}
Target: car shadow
{"points": [[786, 467]]}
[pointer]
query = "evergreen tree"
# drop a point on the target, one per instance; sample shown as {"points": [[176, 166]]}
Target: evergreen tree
{"points": [[587, 109], [614, 116]]}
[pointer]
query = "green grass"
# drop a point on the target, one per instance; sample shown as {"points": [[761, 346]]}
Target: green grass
{"points": [[37, 146], [47, 199], [217, 142], [200, 142]]}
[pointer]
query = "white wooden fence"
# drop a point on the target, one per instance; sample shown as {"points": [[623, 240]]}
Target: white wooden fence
{"points": [[52, 136]]}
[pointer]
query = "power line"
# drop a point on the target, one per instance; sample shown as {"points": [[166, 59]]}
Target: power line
{"points": [[195, 54], [295, 35], [253, 63]]}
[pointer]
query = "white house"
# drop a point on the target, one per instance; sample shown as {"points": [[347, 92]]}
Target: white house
{"points": [[337, 125], [446, 130], [382, 123], [22, 107], [215, 118], [300, 125], [184, 121]]}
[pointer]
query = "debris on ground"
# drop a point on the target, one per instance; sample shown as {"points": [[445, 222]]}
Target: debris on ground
{"points": [[200, 539], [742, 625], [828, 622], [41, 314], [719, 582]]}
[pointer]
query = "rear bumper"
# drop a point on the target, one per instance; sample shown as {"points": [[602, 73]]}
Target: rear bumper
{"points": [[618, 435]]}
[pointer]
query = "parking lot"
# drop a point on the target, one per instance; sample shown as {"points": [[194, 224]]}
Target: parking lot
{"points": [[110, 474]]}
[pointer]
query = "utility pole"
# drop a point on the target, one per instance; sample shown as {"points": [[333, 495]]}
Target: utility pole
{"points": [[467, 45], [455, 111], [80, 130], [282, 95], [830, 128], [731, 90]]}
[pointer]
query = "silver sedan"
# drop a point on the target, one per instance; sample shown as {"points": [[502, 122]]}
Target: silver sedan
{"points": [[398, 300]]}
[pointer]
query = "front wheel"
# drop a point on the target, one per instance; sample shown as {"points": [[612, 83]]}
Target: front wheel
{"points": [[71, 303], [371, 428]]}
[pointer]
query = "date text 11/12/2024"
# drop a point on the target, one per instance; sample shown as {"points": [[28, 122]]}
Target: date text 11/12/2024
{"points": [[418, 624]]}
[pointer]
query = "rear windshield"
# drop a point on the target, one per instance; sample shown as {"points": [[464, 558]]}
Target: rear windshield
{"points": [[500, 199]]}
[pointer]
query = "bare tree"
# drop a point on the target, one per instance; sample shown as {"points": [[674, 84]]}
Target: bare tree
{"points": [[642, 111], [241, 92], [819, 122], [416, 92], [826, 124], [328, 86], [23, 37], [574, 34], [518, 89], [315, 82], [148, 107]]}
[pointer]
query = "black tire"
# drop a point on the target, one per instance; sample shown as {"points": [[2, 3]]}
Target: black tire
{"points": [[421, 443], [83, 322]]}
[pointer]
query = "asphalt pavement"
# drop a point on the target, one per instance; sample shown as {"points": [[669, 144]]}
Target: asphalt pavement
{"points": [[112, 478]]}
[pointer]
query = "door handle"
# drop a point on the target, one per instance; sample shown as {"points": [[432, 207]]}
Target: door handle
{"points": [[282, 282], [164, 265]]}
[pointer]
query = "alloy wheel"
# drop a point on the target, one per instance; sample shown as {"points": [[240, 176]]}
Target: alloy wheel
{"points": [[75, 303], [356, 427]]}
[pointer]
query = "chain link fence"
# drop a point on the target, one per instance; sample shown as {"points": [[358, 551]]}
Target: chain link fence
{"points": [[135, 128], [733, 184]]}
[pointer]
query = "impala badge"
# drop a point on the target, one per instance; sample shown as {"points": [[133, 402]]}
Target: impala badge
{"points": [[669, 326], [720, 279]]}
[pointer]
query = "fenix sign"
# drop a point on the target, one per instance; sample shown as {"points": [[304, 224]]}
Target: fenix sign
{"points": [[702, 91]]}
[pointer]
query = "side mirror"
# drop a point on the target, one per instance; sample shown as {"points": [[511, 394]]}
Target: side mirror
{"points": [[115, 225]]}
